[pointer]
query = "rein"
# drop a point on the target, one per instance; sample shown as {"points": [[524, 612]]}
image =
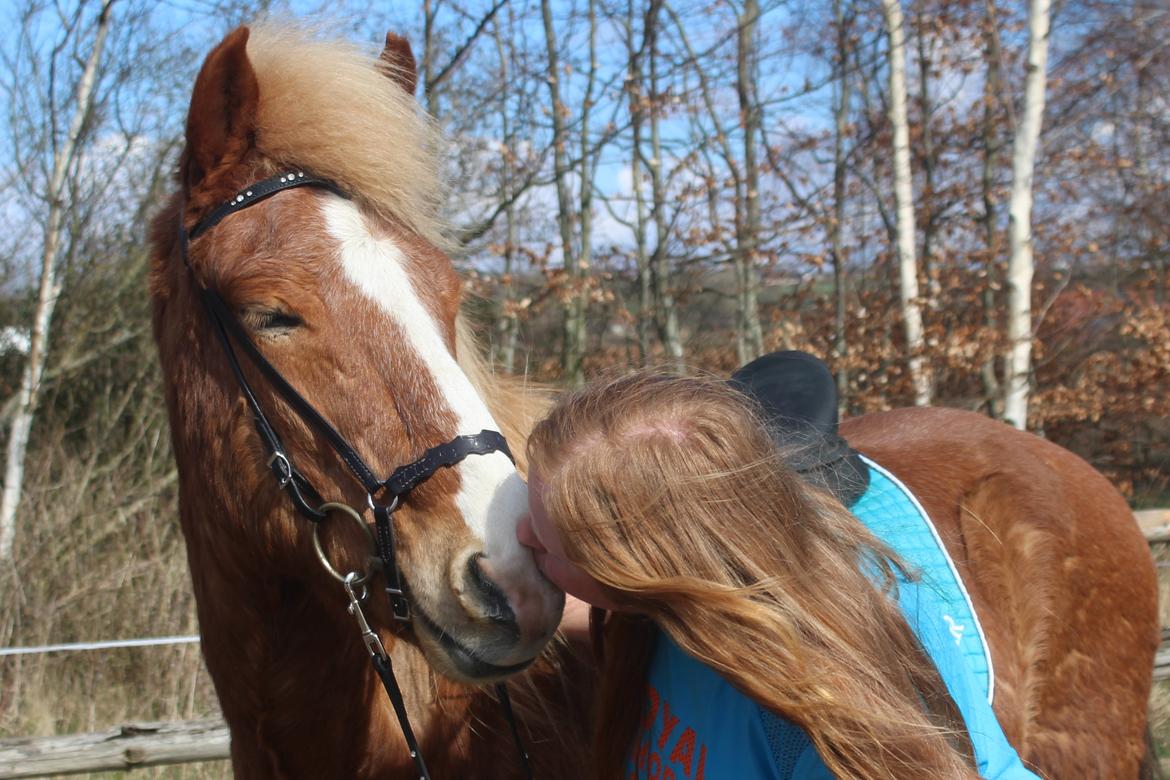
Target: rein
{"points": [[384, 496]]}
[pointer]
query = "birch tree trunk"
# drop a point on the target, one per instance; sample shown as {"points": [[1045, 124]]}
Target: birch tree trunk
{"points": [[508, 326], [1019, 275], [904, 203], [930, 271], [48, 291], [427, 63], [641, 257]]}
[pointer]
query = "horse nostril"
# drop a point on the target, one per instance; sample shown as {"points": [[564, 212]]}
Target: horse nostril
{"points": [[489, 594]]}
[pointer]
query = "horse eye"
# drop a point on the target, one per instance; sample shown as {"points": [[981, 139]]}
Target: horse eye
{"points": [[271, 320]]}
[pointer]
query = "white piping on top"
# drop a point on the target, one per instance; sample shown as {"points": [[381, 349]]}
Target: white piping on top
{"points": [[490, 488], [950, 562]]}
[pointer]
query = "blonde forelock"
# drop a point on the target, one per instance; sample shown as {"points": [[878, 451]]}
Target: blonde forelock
{"points": [[329, 107]]}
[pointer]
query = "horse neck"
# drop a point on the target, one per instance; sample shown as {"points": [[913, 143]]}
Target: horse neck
{"points": [[299, 692], [294, 680], [296, 684], [515, 402], [293, 676]]}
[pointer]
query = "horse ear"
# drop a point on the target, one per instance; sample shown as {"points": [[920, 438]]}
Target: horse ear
{"points": [[399, 62], [222, 117]]}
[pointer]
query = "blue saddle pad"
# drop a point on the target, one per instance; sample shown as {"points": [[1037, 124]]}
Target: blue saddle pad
{"points": [[895, 516]]}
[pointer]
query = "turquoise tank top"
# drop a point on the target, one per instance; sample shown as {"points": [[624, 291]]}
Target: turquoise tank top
{"points": [[696, 726]]}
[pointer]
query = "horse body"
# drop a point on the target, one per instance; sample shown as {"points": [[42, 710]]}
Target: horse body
{"points": [[1057, 570]]}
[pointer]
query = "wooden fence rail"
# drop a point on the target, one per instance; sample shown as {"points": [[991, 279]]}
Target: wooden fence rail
{"points": [[1155, 524], [125, 747], [1162, 662], [153, 744]]}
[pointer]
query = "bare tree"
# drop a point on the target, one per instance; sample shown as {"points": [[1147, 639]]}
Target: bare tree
{"points": [[842, 23], [65, 150], [904, 202], [748, 232], [743, 247], [929, 210], [576, 330], [507, 322], [571, 352], [993, 88], [666, 309], [1019, 275], [637, 106]]}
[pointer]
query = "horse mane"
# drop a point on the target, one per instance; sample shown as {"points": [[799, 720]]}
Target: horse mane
{"points": [[516, 403], [326, 106], [549, 702]]}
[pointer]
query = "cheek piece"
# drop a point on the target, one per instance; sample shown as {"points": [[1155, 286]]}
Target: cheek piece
{"points": [[384, 496]]}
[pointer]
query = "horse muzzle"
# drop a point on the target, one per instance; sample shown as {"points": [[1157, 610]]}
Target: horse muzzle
{"points": [[495, 626]]}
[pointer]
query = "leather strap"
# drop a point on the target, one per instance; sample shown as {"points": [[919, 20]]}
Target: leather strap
{"points": [[386, 673], [259, 191], [506, 705], [387, 551], [406, 478], [303, 495], [302, 407]]}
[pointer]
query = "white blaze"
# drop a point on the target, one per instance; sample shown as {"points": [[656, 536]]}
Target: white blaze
{"points": [[490, 487]]}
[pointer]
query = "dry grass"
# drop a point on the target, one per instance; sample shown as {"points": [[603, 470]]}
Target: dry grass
{"points": [[210, 771], [99, 555]]}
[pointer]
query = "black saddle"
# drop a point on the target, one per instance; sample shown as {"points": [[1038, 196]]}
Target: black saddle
{"points": [[798, 396]]}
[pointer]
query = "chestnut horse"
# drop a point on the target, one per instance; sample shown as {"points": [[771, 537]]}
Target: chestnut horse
{"points": [[356, 304]]}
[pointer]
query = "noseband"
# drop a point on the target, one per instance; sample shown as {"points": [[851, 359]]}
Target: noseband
{"points": [[384, 496]]}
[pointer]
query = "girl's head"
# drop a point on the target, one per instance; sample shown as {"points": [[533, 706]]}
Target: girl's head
{"points": [[650, 481], [665, 498]]}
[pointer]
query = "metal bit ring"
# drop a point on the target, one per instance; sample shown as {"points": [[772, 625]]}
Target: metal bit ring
{"points": [[326, 509]]}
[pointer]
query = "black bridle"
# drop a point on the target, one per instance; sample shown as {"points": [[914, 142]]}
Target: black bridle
{"points": [[384, 496]]}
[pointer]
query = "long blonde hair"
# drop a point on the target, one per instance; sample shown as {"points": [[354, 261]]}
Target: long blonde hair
{"points": [[669, 491]]}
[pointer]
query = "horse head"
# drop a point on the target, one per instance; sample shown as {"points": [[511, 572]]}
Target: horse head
{"points": [[351, 297]]}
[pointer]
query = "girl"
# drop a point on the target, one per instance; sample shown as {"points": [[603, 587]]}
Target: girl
{"points": [[748, 626]]}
